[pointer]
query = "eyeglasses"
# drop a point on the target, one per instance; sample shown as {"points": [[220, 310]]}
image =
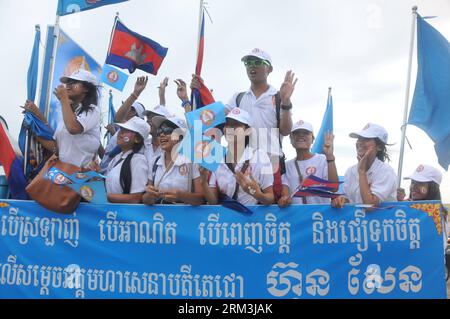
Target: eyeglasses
{"points": [[72, 83], [165, 131], [250, 63]]}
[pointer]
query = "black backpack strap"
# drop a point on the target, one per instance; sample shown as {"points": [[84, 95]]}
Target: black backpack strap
{"points": [[239, 98], [278, 109], [154, 168], [125, 174]]}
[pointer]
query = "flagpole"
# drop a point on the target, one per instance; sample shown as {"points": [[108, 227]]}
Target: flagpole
{"points": [[408, 87], [194, 105], [56, 33]]}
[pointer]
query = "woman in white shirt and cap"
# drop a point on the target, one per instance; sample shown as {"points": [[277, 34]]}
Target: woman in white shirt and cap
{"points": [[169, 174], [127, 173], [371, 181], [247, 174], [78, 134], [306, 163]]}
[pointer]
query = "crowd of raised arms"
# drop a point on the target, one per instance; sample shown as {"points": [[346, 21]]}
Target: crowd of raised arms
{"points": [[142, 164]]}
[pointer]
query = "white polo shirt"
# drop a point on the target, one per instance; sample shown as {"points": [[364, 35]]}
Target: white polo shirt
{"points": [[264, 116], [316, 165], [382, 182], [79, 149], [139, 172], [259, 167], [177, 177]]}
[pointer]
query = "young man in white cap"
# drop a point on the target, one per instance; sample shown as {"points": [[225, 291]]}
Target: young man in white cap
{"points": [[306, 164], [169, 181], [127, 173], [371, 181], [269, 108], [246, 174], [78, 134]]}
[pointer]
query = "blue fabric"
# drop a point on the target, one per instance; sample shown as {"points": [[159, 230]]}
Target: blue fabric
{"points": [[35, 127], [66, 7], [430, 108], [32, 75], [182, 252], [326, 127], [114, 77]]}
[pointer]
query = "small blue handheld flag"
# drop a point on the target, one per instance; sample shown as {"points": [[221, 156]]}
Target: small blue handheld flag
{"points": [[114, 77]]}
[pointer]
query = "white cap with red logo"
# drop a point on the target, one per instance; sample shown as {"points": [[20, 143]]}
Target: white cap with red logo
{"points": [[426, 173], [302, 125], [258, 53], [372, 131], [137, 125], [240, 116]]}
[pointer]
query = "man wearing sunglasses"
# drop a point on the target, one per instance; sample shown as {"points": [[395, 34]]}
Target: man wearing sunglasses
{"points": [[269, 108]]}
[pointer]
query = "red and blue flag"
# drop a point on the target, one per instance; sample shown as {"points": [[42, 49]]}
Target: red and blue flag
{"points": [[130, 50], [13, 166]]}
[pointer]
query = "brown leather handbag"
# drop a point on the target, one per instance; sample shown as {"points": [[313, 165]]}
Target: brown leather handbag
{"points": [[57, 198]]}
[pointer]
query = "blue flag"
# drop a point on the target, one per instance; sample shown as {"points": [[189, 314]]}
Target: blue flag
{"points": [[202, 150], [66, 7], [430, 109], [32, 75], [327, 127], [111, 110], [207, 117], [114, 77]]}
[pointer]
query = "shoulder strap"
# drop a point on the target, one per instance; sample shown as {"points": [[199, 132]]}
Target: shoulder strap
{"points": [[239, 98], [154, 168], [278, 109], [125, 174]]}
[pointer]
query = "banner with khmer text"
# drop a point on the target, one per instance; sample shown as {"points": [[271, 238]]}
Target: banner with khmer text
{"points": [[137, 251]]}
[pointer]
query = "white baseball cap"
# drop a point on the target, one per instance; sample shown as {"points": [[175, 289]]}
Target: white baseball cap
{"points": [[426, 173], [80, 75], [240, 115], [178, 121], [302, 125], [137, 125], [139, 108], [157, 110], [372, 131], [258, 53]]}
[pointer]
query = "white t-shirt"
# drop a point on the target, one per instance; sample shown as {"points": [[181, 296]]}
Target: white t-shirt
{"points": [[382, 182], [177, 177], [139, 172], [259, 167], [264, 116], [316, 165], [80, 149]]}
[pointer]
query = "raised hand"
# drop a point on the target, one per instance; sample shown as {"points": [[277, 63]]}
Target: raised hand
{"points": [[328, 146], [61, 93], [367, 160], [196, 82], [181, 90], [140, 85], [162, 91], [287, 88]]}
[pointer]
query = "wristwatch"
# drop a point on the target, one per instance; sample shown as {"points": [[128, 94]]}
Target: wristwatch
{"points": [[286, 107]]}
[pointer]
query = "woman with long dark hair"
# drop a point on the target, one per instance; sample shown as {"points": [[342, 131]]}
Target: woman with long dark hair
{"points": [[372, 180], [127, 173], [78, 134]]}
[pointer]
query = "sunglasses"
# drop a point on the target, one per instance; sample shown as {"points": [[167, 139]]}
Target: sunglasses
{"points": [[165, 131], [250, 63], [72, 83]]}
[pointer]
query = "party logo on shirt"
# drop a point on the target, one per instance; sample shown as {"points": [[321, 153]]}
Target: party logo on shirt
{"points": [[311, 170], [87, 193], [183, 169], [207, 117]]}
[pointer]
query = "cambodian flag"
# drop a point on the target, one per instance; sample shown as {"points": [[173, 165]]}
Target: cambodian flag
{"points": [[13, 166], [202, 97], [130, 50]]}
